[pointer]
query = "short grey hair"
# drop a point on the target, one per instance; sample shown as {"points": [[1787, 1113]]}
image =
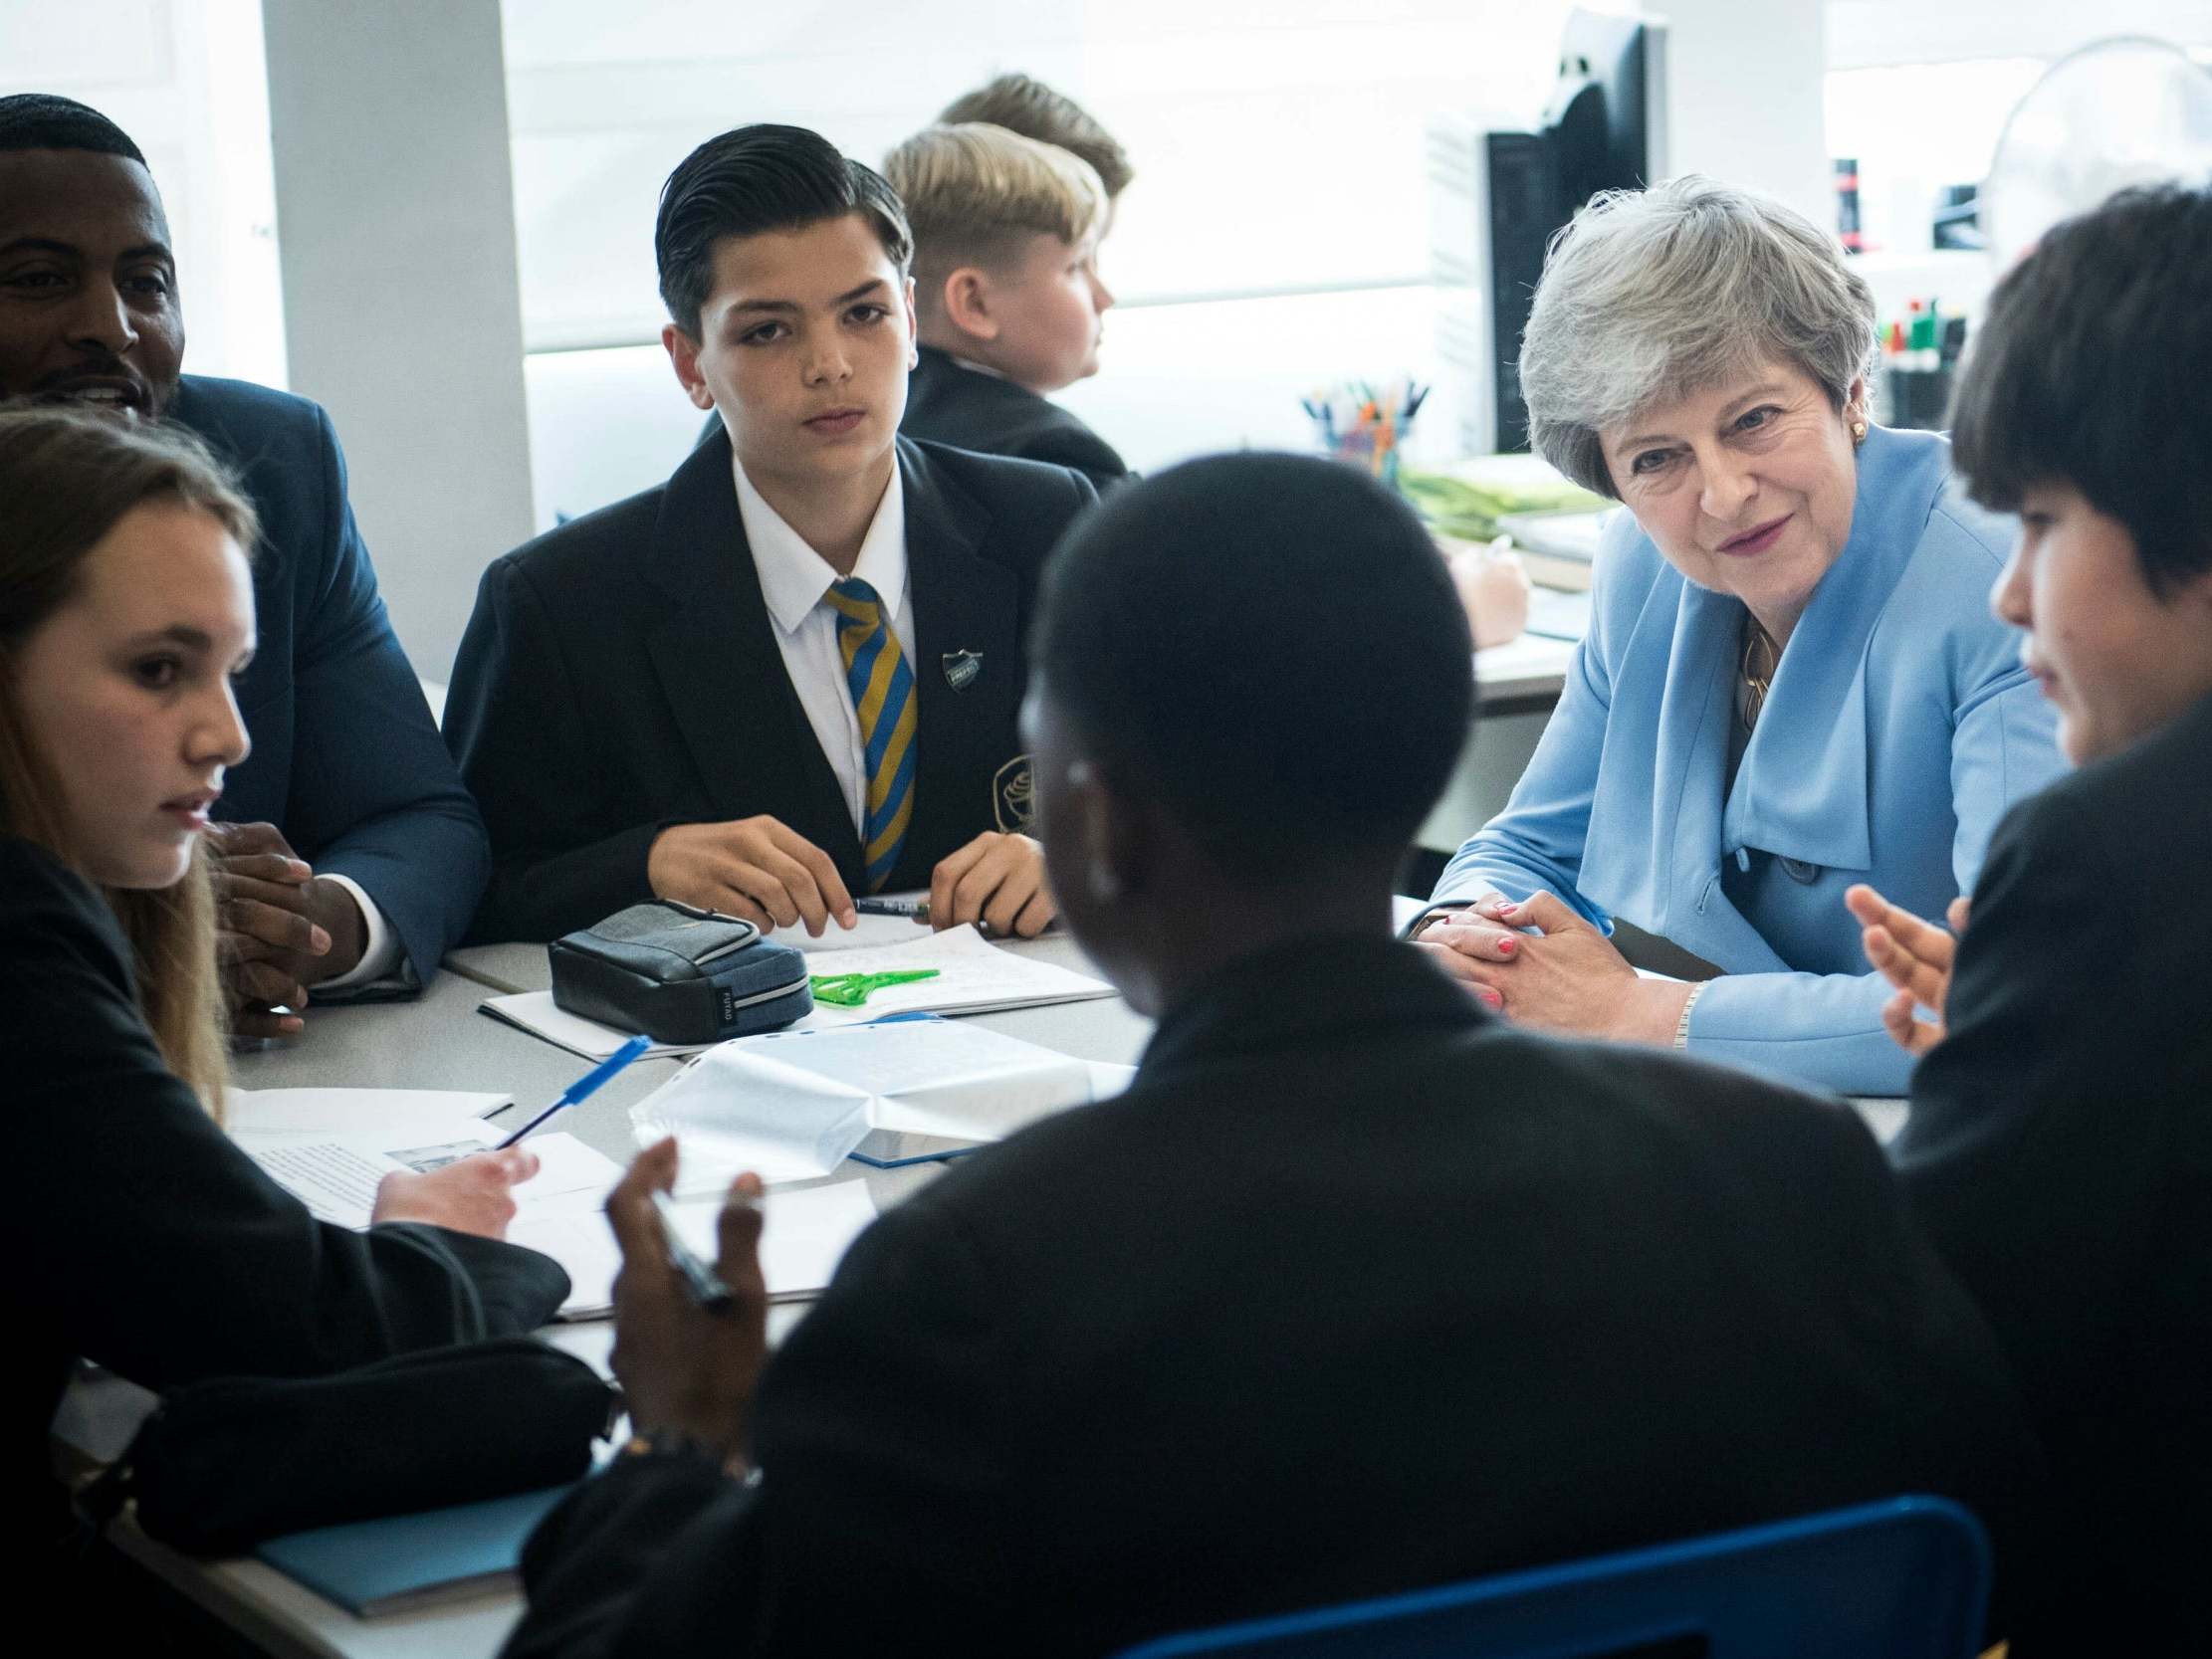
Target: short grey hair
{"points": [[1649, 296]]}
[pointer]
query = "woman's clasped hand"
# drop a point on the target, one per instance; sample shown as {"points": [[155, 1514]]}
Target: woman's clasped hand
{"points": [[1538, 961]]}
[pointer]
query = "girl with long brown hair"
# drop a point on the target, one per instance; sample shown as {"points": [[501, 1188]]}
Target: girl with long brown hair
{"points": [[141, 1237]]}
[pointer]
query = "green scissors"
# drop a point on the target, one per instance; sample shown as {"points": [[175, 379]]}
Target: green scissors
{"points": [[851, 991]]}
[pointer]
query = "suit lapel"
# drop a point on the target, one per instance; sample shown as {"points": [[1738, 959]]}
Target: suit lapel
{"points": [[969, 668], [722, 671], [1802, 792]]}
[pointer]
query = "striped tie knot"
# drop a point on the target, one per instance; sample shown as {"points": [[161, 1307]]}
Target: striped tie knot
{"points": [[882, 686]]}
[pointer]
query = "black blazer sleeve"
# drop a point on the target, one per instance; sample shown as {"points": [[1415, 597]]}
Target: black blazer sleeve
{"points": [[522, 727], [888, 1432], [373, 794], [2035, 1156], [1968, 1430], [146, 1240]]}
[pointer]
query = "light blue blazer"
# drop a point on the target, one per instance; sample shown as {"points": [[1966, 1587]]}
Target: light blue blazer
{"points": [[1899, 728]]}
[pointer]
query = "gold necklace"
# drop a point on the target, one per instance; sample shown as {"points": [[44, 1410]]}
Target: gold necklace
{"points": [[1760, 659]]}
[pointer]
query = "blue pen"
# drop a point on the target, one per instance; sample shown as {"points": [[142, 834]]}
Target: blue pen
{"points": [[585, 1086]]}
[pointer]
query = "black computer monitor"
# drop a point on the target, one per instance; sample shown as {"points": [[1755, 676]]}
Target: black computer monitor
{"points": [[1501, 195], [1599, 122]]}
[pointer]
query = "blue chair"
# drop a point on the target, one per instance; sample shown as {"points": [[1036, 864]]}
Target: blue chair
{"points": [[1907, 1578]]}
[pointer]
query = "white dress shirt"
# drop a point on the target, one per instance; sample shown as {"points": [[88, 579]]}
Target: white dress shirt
{"points": [[794, 581], [382, 965]]}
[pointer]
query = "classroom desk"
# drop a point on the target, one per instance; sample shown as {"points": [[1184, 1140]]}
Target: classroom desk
{"points": [[439, 1041], [1525, 676]]}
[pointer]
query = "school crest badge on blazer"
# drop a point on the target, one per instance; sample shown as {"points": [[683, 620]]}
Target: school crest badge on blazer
{"points": [[1014, 796], [962, 666]]}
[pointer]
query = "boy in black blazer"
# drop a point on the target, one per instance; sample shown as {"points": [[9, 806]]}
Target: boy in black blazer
{"points": [[1007, 297], [2058, 1150], [790, 674], [1358, 1289]]}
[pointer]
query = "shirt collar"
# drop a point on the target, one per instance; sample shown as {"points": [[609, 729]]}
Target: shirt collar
{"points": [[794, 577]]}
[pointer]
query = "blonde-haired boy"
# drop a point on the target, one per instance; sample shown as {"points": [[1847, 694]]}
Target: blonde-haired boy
{"points": [[1008, 297]]}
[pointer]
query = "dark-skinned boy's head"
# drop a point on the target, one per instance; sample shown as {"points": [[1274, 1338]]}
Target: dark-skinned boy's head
{"points": [[1251, 679]]}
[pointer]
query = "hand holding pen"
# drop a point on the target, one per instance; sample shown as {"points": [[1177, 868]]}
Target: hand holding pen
{"points": [[689, 1340]]}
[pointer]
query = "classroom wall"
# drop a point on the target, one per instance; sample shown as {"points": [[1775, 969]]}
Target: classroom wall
{"points": [[402, 309]]}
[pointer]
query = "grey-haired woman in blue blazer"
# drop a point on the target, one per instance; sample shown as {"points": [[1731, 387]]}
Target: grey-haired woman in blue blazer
{"points": [[1793, 681]]}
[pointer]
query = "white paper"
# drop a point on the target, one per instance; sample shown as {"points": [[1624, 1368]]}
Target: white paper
{"points": [[337, 1181], [337, 1176], [792, 1105], [734, 1111], [870, 933], [349, 1111], [973, 977], [804, 1234], [566, 1168], [537, 1013]]}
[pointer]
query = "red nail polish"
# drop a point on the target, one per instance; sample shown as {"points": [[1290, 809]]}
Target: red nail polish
{"points": [[1491, 999], [1506, 946], [1507, 909]]}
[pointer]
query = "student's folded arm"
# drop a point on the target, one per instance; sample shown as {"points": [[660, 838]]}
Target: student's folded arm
{"points": [[149, 1242], [1536, 844], [1824, 1029], [373, 794], [561, 858], [888, 1432]]}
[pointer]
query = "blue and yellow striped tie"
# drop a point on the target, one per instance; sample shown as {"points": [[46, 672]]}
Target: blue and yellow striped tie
{"points": [[883, 696]]}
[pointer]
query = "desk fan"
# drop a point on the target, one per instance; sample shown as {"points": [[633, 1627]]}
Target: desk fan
{"points": [[2114, 112]]}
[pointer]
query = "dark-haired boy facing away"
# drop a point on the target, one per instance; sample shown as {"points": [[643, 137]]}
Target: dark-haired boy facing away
{"points": [[789, 675], [1008, 303], [1358, 1289]]}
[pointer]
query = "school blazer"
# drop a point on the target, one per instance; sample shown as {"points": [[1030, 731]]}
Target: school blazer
{"points": [[2059, 1154], [345, 760], [947, 403], [1898, 729], [142, 1238], [1358, 1289], [621, 675]]}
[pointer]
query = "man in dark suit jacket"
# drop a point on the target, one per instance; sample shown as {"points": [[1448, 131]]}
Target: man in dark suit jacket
{"points": [[353, 857], [1357, 1288], [660, 699], [2058, 1150]]}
